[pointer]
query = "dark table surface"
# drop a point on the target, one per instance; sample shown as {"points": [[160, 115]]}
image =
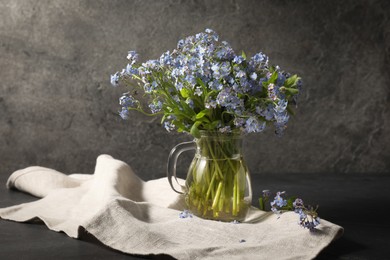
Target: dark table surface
{"points": [[359, 203]]}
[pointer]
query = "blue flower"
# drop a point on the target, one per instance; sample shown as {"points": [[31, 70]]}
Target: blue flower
{"points": [[151, 64], [127, 100], [215, 67], [281, 121], [278, 200], [278, 203], [180, 44], [132, 56], [169, 126], [124, 113], [155, 107], [262, 80], [309, 220], [201, 50], [225, 129], [240, 74], [178, 85], [239, 121], [190, 102], [225, 52], [177, 72], [281, 79], [208, 30], [148, 88], [238, 59], [279, 128], [185, 214], [281, 106], [281, 118], [253, 125], [210, 104], [267, 112], [130, 70], [213, 34], [253, 76], [225, 69], [166, 58], [266, 193], [230, 80], [259, 58], [200, 37], [115, 79], [192, 64], [215, 85], [143, 71], [198, 91], [229, 99], [298, 203], [190, 80]]}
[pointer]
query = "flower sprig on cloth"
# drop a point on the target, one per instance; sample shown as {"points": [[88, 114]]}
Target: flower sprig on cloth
{"points": [[185, 214], [308, 216], [204, 85]]}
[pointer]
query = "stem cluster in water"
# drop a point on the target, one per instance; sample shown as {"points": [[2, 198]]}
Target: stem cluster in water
{"points": [[218, 182]]}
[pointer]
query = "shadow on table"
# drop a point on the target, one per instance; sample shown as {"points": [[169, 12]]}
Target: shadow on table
{"points": [[339, 248]]}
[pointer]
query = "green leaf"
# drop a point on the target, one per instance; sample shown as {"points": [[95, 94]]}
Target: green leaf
{"points": [[291, 81], [243, 54], [201, 114], [194, 130], [261, 203], [187, 109], [289, 91], [163, 118], [201, 83], [274, 77], [289, 110], [184, 92], [289, 205], [180, 126], [214, 124], [208, 95]]}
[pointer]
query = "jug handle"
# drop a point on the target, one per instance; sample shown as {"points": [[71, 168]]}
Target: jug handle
{"points": [[172, 160]]}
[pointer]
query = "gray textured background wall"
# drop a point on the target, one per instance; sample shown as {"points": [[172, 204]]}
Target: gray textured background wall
{"points": [[57, 108]]}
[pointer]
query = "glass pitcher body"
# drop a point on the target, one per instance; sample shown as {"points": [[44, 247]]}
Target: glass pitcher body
{"points": [[218, 183]]}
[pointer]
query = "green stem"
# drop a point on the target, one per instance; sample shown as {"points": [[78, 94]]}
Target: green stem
{"points": [[218, 170], [237, 198], [215, 202], [234, 199], [145, 113], [210, 187]]}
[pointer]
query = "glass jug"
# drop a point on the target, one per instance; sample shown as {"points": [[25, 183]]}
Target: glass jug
{"points": [[218, 184]]}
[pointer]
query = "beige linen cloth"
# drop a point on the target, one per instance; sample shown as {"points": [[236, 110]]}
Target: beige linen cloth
{"points": [[137, 217]]}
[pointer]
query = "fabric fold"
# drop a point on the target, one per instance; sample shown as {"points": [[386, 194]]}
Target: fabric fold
{"points": [[136, 217]]}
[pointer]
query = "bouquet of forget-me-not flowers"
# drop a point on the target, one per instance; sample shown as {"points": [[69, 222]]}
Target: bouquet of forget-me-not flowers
{"points": [[204, 85]]}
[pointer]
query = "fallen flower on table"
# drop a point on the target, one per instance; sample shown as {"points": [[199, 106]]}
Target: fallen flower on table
{"points": [[308, 216], [185, 214]]}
